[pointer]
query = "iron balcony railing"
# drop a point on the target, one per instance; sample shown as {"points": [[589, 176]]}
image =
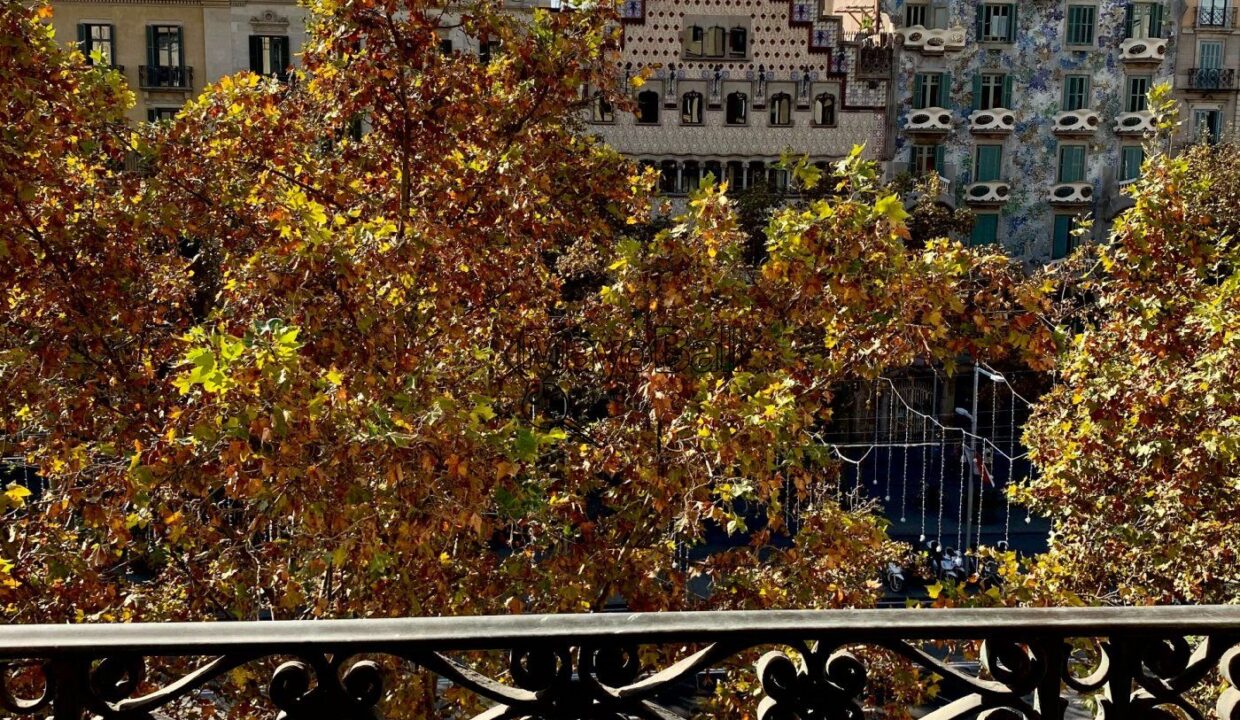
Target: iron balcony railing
{"points": [[154, 77], [1212, 79], [1215, 16], [1137, 662]]}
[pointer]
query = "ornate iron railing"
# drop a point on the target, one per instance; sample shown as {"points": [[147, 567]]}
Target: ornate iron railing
{"points": [[1215, 16], [154, 77], [1146, 662], [1212, 79]]}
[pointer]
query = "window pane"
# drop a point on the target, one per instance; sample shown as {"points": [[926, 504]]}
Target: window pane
{"points": [[985, 229], [1080, 24], [1076, 92]]}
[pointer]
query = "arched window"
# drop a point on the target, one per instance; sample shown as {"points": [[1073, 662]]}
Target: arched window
{"points": [[667, 177], [691, 108], [601, 110], [738, 108], [738, 41], [781, 109], [695, 41], [690, 176], [824, 110], [648, 108], [716, 37]]}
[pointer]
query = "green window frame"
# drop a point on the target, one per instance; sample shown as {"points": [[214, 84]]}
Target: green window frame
{"points": [[269, 55], [996, 22], [1144, 20], [1131, 158], [99, 37], [930, 90], [985, 229], [1136, 88], [1062, 241], [1081, 24], [992, 90], [916, 14], [988, 165], [1071, 164], [924, 159], [165, 46], [1076, 92]]}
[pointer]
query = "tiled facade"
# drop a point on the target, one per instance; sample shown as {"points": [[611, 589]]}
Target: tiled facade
{"points": [[1035, 111], [734, 83]]}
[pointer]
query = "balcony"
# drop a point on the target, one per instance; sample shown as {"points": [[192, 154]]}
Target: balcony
{"points": [[931, 120], [1073, 193], [1134, 662], [933, 41], [1211, 79], [1134, 123], [987, 193], [1076, 122], [1212, 17], [997, 121], [164, 77], [1140, 51]]}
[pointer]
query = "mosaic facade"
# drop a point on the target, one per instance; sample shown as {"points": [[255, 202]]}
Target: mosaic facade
{"points": [[1034, 111]]}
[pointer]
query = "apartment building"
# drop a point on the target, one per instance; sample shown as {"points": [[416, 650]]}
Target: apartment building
{"points": [[1206, 59], [169, 50], [734, 83], [1035, 112]]}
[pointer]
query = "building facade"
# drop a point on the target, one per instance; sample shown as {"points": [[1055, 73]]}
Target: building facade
{"points": [[1207, 59], [169, 50], [734, 83], [1035, 112]]}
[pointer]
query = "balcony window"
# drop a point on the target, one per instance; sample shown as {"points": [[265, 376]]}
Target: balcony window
{"points": [[98, 38], [1207, 125], [601, 110], [1076, 92], [1213, 13], [690, 176], [926, 159], [1210, 55], [1131, 158], [989, 165], [648, 108], [738, 42], [269, 55], [781, 110], [161, 114], [691, 108], [1071, 164], [1063, 241], [737, 108], [985, 229], [1137, 88], [669, 177], [824, 110], [992, 90], [1081, 22], [165, 46], [996, 22], [929, 90], [1144, 20]]}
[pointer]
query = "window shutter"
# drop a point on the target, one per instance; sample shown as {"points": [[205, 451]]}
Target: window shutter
{"points": [[285, 58], [1156, 20], [82, 40], [977, 91], [939, 153], [1007, 92], [112, 41], [256, 54], [980, 23], [152, 53], [1063, 228], [1128, 13], [945, 85], [1012, 22], [180, 46], [919, 86]]}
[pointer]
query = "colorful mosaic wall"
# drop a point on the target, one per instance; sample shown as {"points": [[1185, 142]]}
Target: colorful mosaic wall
{"points": [[1037, 59]]}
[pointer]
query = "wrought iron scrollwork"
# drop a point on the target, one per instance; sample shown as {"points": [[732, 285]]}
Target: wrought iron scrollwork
{"points": [[1138, 662]]}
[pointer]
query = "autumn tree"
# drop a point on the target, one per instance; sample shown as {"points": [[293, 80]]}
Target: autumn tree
{"points": [[434, 367], [1136, 444]]}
